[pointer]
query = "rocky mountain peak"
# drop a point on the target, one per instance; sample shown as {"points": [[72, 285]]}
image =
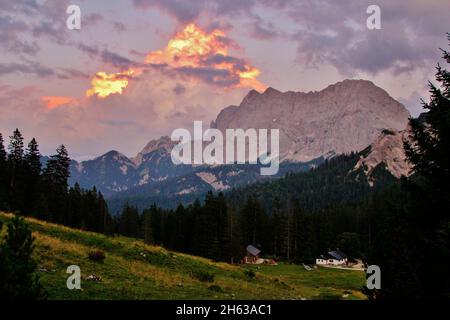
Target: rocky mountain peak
{"points": [[344, 117], [114, 155], [164, 144], [270, 91]]}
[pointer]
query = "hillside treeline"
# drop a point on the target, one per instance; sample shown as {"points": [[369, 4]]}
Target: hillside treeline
{"points": [[42, 191]]}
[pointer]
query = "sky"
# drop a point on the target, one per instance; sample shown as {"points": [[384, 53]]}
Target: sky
{"points": [[138, 69]]}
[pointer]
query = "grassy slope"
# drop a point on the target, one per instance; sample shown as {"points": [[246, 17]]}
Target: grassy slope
{"points": [[133, 270]]}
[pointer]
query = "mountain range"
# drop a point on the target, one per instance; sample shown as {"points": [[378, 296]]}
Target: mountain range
{"points": [[345, 117]]}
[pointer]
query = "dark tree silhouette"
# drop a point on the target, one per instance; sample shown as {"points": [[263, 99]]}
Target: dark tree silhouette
{"points": [[17, 277]]}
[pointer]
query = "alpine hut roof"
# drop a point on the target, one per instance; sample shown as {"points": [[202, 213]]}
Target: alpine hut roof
{"points": [[253, 251]]}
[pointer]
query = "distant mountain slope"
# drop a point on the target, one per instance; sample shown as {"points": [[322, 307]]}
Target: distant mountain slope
{"points": [[186, 188], [114, 172], [333, 183], [110, 172]]}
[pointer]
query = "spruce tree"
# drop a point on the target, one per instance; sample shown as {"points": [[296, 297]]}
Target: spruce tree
{"points": [[129, 222], [62, 167], [429, 153], [106, 223], [278, 221], [147, 226], [16, 172], [33, 158], [3, 176], [17, 277], [409, 225], [15, 147], [32, 171], [2, 150], [55, 180]]}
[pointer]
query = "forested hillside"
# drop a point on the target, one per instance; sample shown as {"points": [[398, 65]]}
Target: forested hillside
{"points": [[333, 183], [28, 187]]}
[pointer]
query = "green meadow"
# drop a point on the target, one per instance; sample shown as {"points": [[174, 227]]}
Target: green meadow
{"points": [[134, 270]]}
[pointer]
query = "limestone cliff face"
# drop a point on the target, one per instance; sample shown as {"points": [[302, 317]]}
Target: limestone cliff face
{"points": [[387, 150], [347, 116], [164, 143]]}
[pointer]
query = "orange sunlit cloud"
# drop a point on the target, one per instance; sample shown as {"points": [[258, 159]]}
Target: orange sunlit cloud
{"points": [[105, 84], [189, 47], [194, 52], [193, 48], [52, 102]]}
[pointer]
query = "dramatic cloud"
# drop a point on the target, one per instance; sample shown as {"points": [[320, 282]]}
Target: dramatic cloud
{"points": [[202, 55], [191, 53], [104, 84]]}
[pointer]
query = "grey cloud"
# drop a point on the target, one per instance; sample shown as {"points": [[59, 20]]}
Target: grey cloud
{"points": [[214, 76], [179, 89], [49, 29], [11, 28], [68, 73], [26, 68], [91, 20], [413, 103], [91, 50], [335, 33], [189, 10], [116, 60], [39, 70], [262, 32], [108, 56], [51, 20], [238, 64], [183, 10], [10, 37], [119, 123], [26, 6], [21, 19], [119, 26], [207, 72]]}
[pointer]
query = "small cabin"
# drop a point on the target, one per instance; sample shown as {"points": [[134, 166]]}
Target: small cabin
{"points": [[252, 254], [334, 258]]}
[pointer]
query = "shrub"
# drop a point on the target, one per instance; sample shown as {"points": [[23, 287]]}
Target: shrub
{"points": [[328, 296], [202, 276], [96, 255], [215, 288], [250, 274]]}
